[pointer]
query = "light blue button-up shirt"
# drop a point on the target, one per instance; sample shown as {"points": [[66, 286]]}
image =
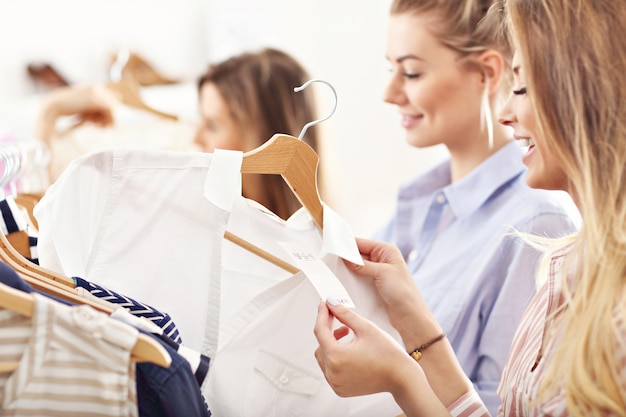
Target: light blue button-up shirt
{"points": [[474, 273]]}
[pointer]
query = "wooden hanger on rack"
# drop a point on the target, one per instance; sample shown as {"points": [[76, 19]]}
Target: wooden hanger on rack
{"points": [[297, 163], [31, 269], [145, 349], [62, 287], [127, 90], [12, 160], [10, 254], [28, 201]]}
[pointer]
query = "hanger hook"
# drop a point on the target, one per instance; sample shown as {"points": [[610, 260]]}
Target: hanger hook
{"points": [[314, 122]]}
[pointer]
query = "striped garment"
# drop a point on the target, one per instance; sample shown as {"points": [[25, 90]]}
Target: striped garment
{"points": [[72, 361], [134, 307], [527, 360]]}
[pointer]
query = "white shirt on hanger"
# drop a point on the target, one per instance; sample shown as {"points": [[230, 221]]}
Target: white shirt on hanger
{"points": [[138, 222]]}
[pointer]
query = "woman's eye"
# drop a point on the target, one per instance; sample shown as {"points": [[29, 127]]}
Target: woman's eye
{"points": [[520, 92], [411, 75]]}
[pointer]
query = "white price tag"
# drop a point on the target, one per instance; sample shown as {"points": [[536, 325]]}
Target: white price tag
{"points": [[320, 275]]}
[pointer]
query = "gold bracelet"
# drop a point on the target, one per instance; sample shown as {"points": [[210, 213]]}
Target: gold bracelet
{"points": [[417, 352]]}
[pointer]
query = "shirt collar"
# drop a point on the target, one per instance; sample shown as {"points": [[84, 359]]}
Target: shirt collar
{"points": [[472, 191], [337, 236], [223, 184]]}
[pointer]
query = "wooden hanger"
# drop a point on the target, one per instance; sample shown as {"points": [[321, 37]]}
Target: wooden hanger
{"points": [[146, 349], [127, 90], [9, 255], [63, 287], [9, 249], [297, 163], [28, 201]]}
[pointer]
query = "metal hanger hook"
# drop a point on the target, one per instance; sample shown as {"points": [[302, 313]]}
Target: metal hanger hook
{"points": [[314, 122]]}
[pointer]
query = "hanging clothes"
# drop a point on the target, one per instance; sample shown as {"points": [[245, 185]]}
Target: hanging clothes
{"points": [[70, 360], [145, 212], [137, 222], [266, 343], [159, 392]]}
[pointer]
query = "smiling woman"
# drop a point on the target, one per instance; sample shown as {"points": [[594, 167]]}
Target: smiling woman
{"points": [[453, 223], [518, 113], [567, 357]]}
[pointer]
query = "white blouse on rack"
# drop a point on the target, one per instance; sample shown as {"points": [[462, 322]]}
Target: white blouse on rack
{"points": [[150, 224]]}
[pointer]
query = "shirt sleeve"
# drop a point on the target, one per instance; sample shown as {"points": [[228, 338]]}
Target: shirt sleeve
{"points": [[468, 405], [512, 298]]}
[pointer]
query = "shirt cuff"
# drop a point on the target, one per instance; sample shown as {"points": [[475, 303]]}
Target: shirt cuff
{"points": [[468, 405]]}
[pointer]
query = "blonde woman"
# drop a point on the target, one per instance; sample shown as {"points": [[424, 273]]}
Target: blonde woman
{"points": [[453, 223], [568, 356]]}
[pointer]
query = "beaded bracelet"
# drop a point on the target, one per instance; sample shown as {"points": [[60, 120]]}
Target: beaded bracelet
{"points": [[417, 352]]}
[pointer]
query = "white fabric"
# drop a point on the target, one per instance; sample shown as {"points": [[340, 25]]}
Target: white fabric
{"points": [[136, 222], [258, 318], [265, 363]]}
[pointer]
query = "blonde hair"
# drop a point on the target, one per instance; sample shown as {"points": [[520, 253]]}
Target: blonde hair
{"points": [[461, 26], [574, 60], [258, 88]]}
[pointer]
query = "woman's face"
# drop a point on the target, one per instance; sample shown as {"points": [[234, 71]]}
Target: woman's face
{"points": [[217, 129], [544, 170], [438, 99]]}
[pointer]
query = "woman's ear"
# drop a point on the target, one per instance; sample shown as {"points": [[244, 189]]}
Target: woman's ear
{"points": [[492, 66]]}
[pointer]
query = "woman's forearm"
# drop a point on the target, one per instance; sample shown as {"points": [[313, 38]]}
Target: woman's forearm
{"points": [[439, 363], [46, 122]]}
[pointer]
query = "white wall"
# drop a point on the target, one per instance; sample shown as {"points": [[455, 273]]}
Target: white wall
{"points": [[364, 156]]}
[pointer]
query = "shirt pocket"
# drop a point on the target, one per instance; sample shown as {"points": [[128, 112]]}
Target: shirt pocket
{"points": [[286, 376], [279, 388]]}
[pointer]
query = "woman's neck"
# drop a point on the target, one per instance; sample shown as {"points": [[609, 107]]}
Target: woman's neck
{"points": [[466, 157]]}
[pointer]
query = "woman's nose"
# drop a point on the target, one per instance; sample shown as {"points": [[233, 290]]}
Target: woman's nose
{"points": [[393, 93], [506, 116]]}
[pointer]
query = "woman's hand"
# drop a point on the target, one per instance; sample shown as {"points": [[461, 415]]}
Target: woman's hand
{"points": [[370, 362], [411, 316], [384, 263], [92, 103]]}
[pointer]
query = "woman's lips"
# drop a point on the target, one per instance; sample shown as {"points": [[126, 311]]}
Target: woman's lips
{"points": [[409, 121]]}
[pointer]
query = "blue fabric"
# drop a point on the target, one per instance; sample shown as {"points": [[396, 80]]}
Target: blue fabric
{"points": [[171, 391], [474, 273], [9, 277], [7, 217], [204, 361], [162, 320]]}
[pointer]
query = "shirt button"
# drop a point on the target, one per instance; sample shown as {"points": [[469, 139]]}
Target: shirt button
{"points": [[412, 255], [283, 379], [441, 198]]}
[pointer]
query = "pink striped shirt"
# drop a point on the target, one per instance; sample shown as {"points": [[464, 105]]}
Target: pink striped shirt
{"points": [[526, 364]]}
